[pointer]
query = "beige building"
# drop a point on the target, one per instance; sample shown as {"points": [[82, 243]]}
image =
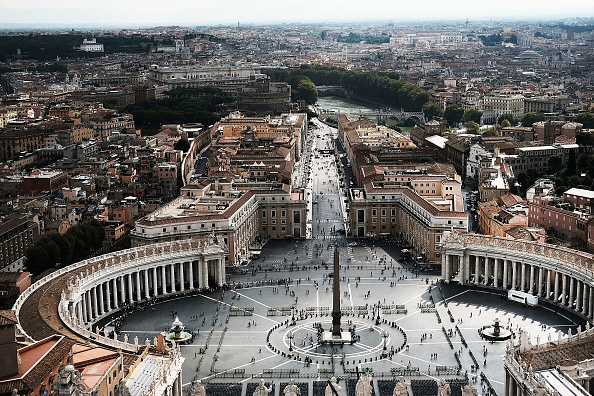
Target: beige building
{"points": [[242, 214], [415, 213]]}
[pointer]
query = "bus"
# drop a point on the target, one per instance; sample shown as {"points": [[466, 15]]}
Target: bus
{"points": [[522, 298]]}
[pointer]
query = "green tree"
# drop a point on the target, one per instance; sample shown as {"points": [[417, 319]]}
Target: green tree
{"points": [[507, 116], [182, 144], [571, 162], [473, 115], [65, 248], [530, 118], [491, 132], [505, 123], [432, 110], [554, 163], [453, 114], [472, 127], [586, 118], [584, 139]]}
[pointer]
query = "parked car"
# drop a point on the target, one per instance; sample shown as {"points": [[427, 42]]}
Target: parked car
{"points": [[351, 244]]}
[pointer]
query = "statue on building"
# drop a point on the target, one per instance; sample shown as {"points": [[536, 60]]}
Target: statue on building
{"points": [[292, 389], [262, 390], [443, 389], [199, 389], [470, 389], [332, 385], [401, 388], [364, 387]]}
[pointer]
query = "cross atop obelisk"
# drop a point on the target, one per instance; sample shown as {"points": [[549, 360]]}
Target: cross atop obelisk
{"points": [[336, 297]]}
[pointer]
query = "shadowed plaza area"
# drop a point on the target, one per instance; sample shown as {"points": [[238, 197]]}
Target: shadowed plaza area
{"points": [[403, 323]]}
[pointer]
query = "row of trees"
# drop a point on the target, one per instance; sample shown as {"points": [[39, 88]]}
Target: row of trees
{"points": [[302, 88], [49, 46], [381, 87], [353, 37], [178, 110], [56, 250]]}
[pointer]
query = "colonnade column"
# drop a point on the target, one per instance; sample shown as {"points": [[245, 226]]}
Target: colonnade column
{"points": [[181, 277], [548, 272], [496, 272], [122, 290], [531, 288], [95, 311], [85, 302], [115, 293], [564, 289], [486, 260], [590, 302], [147, 291], [556, 285], [137, 279], [100, 303], [155, 283], [221, 271], [522, 277], [476, 269], [571, 292], [89, 306], [585, 290], [191, 273], [514, 279], [578, 298], [446, 263], [108, 295], [539, 285], [164, 279], [504, 280], [130, 296], [201, 284], [172, 266], [79, 311]]}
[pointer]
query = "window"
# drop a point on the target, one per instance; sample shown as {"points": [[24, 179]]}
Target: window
{"points": [[264, 214], [373, 212], [283, 213]]}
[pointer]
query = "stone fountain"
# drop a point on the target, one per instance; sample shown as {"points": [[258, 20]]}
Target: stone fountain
{"points": [[177, 332], [495, 332]]}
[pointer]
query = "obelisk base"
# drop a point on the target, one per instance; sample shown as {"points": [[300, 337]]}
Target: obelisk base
{"points": [[343, 338]]}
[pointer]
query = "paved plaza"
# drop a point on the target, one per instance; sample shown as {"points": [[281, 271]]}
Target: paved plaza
{"points": [[247, 332]]}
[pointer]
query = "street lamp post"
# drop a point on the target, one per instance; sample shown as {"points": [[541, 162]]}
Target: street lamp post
{"points": [[290, 337], [385, 349]]}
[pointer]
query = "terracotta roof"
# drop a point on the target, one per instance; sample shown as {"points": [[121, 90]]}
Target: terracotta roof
{"points": [[7, 317], [415, 197]]}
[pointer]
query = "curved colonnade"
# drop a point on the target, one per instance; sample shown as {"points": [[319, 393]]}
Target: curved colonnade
{"points": [[102, 285], [556, 274]]}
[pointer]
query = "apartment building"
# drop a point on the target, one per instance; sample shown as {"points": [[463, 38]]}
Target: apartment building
{"points": [[567, 217], [17, 233], [495, 105], [15, 141], [413, 212]]}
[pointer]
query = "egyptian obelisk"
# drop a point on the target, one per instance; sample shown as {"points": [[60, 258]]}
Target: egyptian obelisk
{"points": [[336, 297]]}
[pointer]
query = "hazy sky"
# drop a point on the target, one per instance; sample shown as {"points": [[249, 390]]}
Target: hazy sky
{"points": [[201, 12]]}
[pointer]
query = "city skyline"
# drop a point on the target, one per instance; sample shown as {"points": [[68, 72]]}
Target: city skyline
{"points": [[152, 13]]}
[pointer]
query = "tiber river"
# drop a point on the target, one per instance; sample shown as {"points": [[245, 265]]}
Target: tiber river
{"points": [[344, 105]]}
